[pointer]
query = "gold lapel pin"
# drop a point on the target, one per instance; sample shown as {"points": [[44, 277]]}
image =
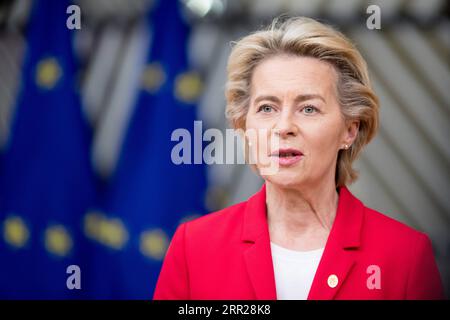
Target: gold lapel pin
{"points": [[332, 281]]}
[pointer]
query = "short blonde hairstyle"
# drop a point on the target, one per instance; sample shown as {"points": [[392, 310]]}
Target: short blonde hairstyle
{"points": [[300, 36]]}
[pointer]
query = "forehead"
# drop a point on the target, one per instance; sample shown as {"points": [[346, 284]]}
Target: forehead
{"points": [[284, 73]]}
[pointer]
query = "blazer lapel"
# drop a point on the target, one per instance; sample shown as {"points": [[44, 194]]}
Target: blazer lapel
{"points": [[340, 251], [258, 261], [258, 257], [332, 272]]}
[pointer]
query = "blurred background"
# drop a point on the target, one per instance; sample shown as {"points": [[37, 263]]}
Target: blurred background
{"points": [[86, 116]]}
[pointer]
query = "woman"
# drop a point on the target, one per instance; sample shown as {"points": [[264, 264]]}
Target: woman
{"points": [[303, 235]]}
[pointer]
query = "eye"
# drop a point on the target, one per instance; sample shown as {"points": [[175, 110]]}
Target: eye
{"points": [[309, 109], [265, 108]]}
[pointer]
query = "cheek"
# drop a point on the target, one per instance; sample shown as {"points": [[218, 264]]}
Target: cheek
{"points": [[323, 138], [257, 141], [258, 132]]}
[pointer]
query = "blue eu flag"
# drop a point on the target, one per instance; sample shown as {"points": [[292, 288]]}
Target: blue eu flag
{"points": [[149, 195], [46, 184]]}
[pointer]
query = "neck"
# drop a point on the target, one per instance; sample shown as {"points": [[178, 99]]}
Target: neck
{"points": [[299, 214]]}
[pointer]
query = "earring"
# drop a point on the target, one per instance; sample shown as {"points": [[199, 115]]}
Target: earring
{"points": [[346, 146]]}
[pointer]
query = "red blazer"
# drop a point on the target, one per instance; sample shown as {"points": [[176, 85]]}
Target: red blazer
{"points": [[226, 255]]}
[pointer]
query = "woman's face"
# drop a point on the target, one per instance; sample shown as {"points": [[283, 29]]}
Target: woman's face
{"points": [[293, 103]]}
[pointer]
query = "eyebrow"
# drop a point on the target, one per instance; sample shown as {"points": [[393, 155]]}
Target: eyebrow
{"points": [[299, 98]]}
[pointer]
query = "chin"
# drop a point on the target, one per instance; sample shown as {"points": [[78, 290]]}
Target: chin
{"points": [[285, 178]]}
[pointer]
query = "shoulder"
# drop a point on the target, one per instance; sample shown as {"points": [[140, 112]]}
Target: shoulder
{"points": [[381, 232], [385, 226], [217, 225]]}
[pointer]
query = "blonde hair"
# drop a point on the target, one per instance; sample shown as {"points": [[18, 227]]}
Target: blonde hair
{"points": [[300, 36]]}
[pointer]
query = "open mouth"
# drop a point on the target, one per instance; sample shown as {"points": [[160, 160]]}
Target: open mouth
{"points": [[287, 157], [286, 153]]}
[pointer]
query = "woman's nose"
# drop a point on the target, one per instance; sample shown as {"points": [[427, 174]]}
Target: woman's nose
{"points": [[285, 126]]}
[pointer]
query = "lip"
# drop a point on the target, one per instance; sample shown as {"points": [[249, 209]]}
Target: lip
{"points": [[286, 161]]}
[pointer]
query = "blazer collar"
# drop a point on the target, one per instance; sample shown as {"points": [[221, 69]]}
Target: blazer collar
{"points": [[337, 258], [258, 256]]}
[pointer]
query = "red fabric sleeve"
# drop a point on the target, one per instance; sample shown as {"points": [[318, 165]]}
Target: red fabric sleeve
{"points": [[424, 281], [173, 283]]}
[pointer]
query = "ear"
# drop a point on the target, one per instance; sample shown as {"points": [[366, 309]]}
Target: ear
{"points": [[351, 132]]}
